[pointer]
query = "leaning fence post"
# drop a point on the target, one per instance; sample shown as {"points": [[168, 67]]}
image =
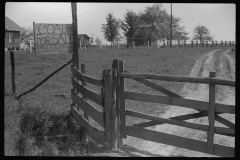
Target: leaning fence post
{"points": [[13, 72], [109, 109], [211, 115]]}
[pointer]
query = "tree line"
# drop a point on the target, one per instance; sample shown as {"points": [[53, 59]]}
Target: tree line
{"points": [[153, 23]]}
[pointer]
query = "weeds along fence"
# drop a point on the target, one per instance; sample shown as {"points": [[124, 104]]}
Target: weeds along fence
{"points": [[105, 99], [113, 117]]}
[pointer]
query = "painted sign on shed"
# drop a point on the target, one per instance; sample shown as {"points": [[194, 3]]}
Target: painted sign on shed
{"points": [[53, 38]]}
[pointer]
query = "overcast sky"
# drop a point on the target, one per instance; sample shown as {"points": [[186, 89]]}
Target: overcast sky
{"points": [[219, 18]]}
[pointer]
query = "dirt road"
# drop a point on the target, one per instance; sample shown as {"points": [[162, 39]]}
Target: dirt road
{"points": [[224, 65]]}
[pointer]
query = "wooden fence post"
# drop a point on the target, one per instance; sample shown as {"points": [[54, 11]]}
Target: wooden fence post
{"points": [[207, 43], [196, 43], [216, 43], [115, 66], [109, 109], [192, 44], [229, 43], [211, 115], [122, 102], [133, 44], [148, 44], [13, 72], [75, 41], [225, 43]]}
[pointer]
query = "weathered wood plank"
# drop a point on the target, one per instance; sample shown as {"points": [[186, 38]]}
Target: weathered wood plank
{"points": [[84, 84], [115, 66], [204, 80], [224, 108], [95, 97], [218, 130], [94, 81], [93, 112], [157, 87], [96, 134], [211, 115], [109, 109], [182, 117], [188, 103], [178, 141], [224, 121], [122, 101]]}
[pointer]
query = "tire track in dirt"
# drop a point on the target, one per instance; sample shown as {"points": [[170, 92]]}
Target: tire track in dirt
{"points": [[219, 63], [224, 66]]}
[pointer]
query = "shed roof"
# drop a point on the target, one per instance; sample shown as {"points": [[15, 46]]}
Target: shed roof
{"points": [[82, 35], [11, 26]]}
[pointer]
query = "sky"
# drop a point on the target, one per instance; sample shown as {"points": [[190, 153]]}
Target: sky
{"points": [[219, 18]]}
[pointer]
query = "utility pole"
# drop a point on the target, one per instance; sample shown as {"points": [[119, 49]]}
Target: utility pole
{"points": [[171, 29]]}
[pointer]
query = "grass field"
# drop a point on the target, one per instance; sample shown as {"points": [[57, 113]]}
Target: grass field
{"points": [[45, 102]]}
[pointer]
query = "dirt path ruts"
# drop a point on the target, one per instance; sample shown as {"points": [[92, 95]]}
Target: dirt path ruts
{"points": [[224, 66]]}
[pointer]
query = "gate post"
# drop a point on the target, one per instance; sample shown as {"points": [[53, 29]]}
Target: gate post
{"points": [[109, 109], [211, 116]]}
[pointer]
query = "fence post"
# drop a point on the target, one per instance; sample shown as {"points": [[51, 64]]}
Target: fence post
{"points": [[13, 72], [211, 115], [115, 66], [109, 109], [148, 44], [133, 44], [225, 43], [192, 44], [196, 43], [229, 43], [163, 43], [122, 102], [207, 43]]}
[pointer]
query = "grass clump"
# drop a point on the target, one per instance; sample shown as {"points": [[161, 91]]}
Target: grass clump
{"points": [[44, 134]]}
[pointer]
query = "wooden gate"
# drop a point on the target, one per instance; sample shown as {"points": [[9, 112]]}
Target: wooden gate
{"points": [[210, 109]]}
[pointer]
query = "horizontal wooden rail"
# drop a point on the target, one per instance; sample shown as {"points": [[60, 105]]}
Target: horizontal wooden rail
{"points": [[95, 97], [86, 78], [204, 80], [218, 130], [93, 112], [181, 118], [194, 104], [178, 141], [156, 87], [96, 134]]}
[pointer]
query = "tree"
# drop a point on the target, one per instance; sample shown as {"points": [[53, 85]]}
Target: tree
{"points": [[111, 29], [155, 24], [178, 31], [26, 34], [152, 22], [98, 41], [201, 33], [129, 25]]}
